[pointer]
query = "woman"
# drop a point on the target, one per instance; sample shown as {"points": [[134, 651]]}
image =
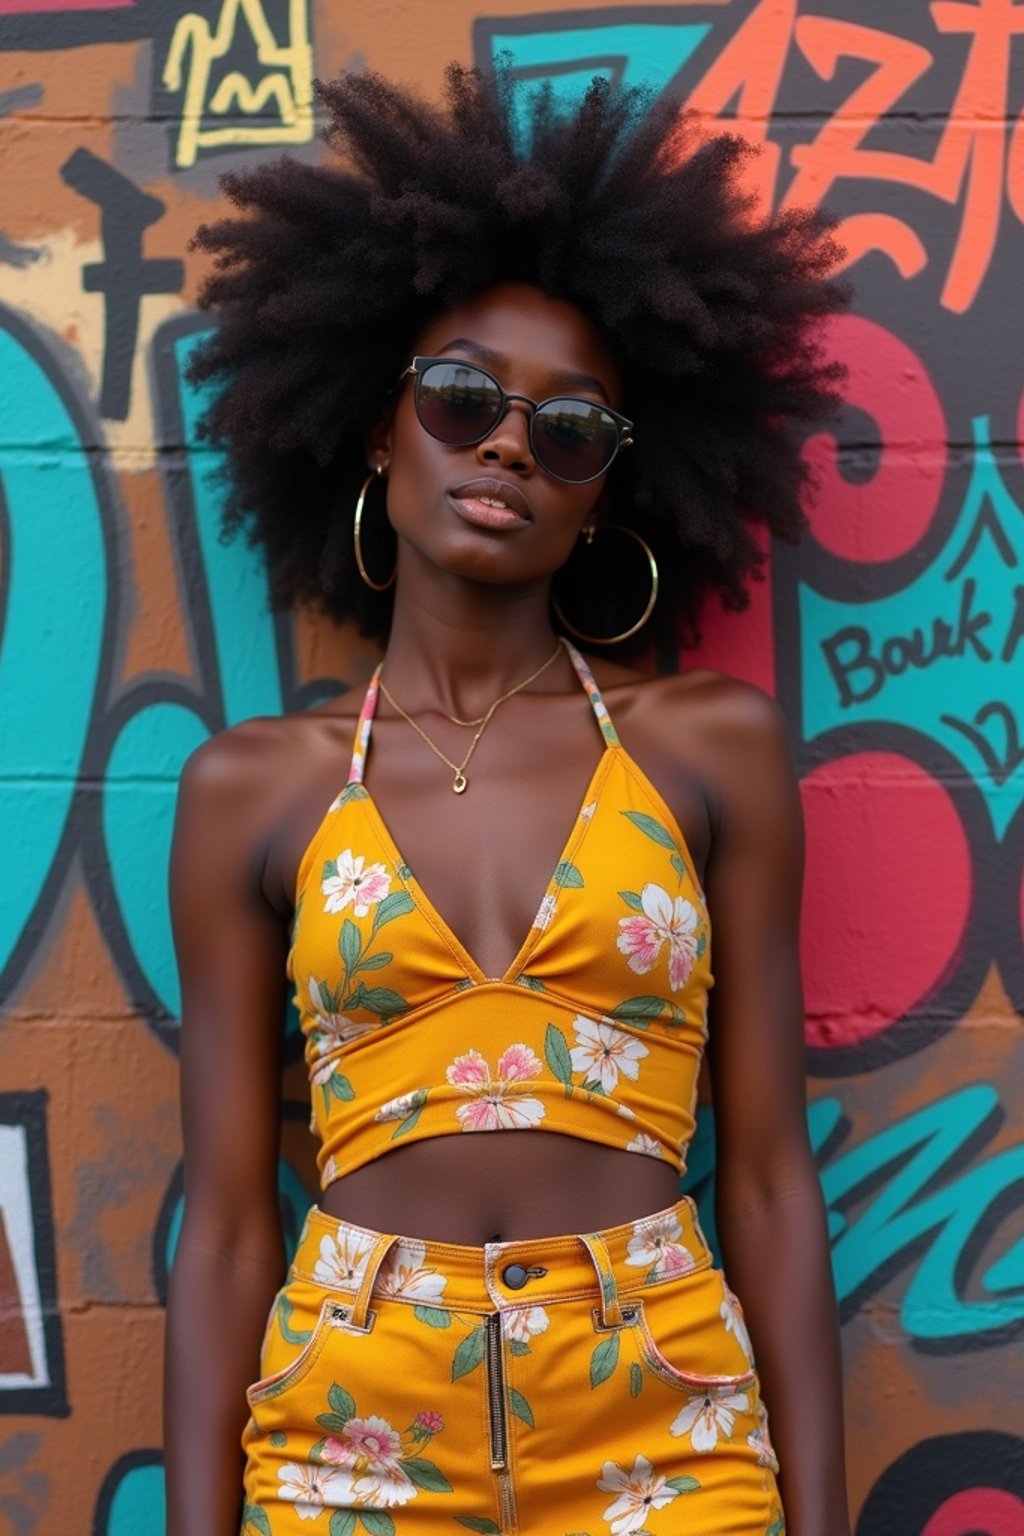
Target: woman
{"points": [[484, 402]]}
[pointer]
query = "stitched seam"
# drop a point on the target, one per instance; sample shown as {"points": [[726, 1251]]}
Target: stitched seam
{"points": [[658, 803]]}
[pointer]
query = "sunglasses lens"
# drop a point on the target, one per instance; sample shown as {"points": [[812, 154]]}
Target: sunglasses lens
{"points": [[457, 403], [574, 440]]}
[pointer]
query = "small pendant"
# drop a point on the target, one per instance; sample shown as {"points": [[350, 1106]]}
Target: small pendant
{"points": [[460, 782]]}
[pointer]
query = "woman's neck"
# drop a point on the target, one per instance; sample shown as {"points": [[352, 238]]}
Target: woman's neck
{"points": [[457, 651]]}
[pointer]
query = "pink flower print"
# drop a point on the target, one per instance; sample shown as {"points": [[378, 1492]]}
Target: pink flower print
{"points": [[666, 919], [655, 1246], [708, 1415], [639, 1492], [363, 886], [430, 1420], [601, 1052], [497, 1104], [365, 1444]]}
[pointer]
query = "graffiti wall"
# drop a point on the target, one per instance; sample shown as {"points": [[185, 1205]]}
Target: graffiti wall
{"points": [[894, 638]]}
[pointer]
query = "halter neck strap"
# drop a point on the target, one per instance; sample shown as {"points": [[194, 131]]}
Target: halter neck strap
{"points": [[366, 714]]}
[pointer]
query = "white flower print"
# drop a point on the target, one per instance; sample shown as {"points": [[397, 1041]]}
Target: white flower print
{"points": [[626, 1113], [331, 1029], [759, 1441], [330, 1171], [368, 1453], [639, 1492], [732, 1317], [707, 1415], [363, 887], [643, 1143], [498, 1103], [309, 1486], [655, 1245], [588, 811], [404, 1273], [665, 919], [343, 1258], [601, 1052], [546, 911], [524, 1323], [397, 1108]]}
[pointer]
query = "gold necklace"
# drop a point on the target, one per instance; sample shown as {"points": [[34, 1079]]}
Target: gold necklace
{"points": [[460, 783]]}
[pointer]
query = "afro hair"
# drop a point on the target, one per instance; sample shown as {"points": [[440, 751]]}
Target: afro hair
{"points": [[328, 274]]}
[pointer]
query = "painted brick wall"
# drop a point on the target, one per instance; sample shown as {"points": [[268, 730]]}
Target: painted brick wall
{"points": [[894, 638]]}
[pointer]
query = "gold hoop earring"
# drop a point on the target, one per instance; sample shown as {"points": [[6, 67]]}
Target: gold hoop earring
{"points": [[378, 586], [642, 620]]}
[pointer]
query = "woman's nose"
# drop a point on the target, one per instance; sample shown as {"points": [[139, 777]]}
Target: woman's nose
{"points": [[508, 443]]}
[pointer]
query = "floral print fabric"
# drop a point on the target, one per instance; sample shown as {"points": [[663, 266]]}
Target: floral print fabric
{"points": [[387, 1424], [597, 1028]]}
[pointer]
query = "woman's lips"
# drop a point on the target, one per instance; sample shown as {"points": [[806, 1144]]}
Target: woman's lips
{"points": [[483, 514]]}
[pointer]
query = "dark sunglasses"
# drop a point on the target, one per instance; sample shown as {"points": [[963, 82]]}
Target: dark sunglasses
{"points": [[571, 439]]}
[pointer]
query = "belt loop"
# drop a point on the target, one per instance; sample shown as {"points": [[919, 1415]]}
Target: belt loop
{"points": [[378, 1253], [611, 1307]]}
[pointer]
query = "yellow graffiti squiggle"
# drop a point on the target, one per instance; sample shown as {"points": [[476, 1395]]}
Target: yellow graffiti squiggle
{"points": [[288, 82]]}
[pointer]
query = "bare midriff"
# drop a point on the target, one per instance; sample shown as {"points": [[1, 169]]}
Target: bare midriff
{"points": [[500, 1184]]}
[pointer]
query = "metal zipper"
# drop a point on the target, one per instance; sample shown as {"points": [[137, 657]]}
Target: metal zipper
{"points": [[498, 1419]]}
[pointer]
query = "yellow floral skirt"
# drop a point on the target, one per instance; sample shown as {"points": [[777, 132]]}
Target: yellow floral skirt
{"points": [[561, 1386]]}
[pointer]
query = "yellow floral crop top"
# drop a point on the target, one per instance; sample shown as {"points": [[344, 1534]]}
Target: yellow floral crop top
{"points": [[597, 1028]]}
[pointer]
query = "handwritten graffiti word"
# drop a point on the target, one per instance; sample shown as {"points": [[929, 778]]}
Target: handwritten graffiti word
{"points": [[125, 274], [287, 83], [867, 671], [849, 651], [914, 1210], [971, 163]]}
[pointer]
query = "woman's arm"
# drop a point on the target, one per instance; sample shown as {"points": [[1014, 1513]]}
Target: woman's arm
{"points": [[769, 1207], [231, 950]]}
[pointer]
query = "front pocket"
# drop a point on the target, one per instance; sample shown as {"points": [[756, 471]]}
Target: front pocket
{"points": [[333, 1315], [678, 1373]]}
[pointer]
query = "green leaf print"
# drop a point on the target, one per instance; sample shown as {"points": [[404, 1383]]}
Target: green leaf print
{"points": [[278, 1438], [291, 1335], [556, 1054], [520, 1407], [632, 900], [652, 829], [519, 1347], [531, 982], [594, 1086], [566, 874], [416, 1104], [395, 905], [342, 1402], [477, 1523], [435, 1317], [469, 1353], [350, 944], [604, 1359], [338, 1086], [777, 1527], [636, 1380], [330, 871], [343, 1522], [379, 1000], [374, 962], [639, 1011], [332, 1422], [678, 866], [404, 872], [253, 1516], [425, 1475], [377, 1523], [684, 1484]]}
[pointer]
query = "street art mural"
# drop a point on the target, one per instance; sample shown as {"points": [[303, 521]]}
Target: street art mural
{"points": [[893, 637]]}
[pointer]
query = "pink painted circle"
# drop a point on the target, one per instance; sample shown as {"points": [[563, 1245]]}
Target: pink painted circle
{"points": [[886, 896], [883, 516]]}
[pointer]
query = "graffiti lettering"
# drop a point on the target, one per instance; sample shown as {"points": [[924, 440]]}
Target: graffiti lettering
{"points": [[196, 47], [124, 275]]}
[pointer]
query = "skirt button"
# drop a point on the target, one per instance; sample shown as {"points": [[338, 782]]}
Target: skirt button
{"points": [[514, 1276]]}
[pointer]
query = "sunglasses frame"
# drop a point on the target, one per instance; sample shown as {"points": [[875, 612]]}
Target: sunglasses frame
{"points": [[420, 364]]}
